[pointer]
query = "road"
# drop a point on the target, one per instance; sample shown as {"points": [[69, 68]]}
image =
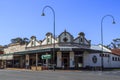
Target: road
{"points": [[58, 75]]}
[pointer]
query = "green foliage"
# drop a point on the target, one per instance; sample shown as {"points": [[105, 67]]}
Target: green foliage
{"points": [[114, 44], [20, 40]]}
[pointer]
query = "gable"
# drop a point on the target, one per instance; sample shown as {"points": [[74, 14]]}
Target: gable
{"points": [[65, 37], [81, 40], [48, 40], [33, 42]]}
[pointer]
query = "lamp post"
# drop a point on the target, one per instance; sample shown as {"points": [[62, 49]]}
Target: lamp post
{"points": [[102, 66], [43, 14]]}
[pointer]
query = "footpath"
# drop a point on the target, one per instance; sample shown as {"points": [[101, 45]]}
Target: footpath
{"points": [[22, 69]]}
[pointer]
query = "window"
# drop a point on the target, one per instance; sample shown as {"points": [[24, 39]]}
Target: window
{"points": [[100, 55], [106, 55], [65, 39], [94, 59], [32, 43], [113, 59], [118, 59], [48, 40], [81, 39]]}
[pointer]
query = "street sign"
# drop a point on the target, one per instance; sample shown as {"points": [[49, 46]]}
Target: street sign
{"points": [[47, 56]]}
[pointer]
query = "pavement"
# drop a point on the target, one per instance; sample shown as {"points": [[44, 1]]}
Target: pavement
{"points": [[18, 69], [23, 69], [24, 74]]}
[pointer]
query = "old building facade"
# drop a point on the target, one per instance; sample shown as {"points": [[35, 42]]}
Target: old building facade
{"points": [[70, 53]]}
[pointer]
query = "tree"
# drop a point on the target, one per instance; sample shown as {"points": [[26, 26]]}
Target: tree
{"points": [[20, 40], [115, 43], [25, 40], [16, 40]]}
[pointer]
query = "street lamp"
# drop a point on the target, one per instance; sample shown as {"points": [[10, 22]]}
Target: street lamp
{"points": [[102, 66], [43, 14]]}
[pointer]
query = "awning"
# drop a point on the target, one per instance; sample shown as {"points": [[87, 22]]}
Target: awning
{"points": [[32, 51], [6, 57]]}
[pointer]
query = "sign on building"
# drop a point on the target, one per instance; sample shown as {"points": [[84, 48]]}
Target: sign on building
{"points": [[48, 56], [65, 49]]}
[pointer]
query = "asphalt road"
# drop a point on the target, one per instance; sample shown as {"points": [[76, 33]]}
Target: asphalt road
{"points": [[58, 75]]}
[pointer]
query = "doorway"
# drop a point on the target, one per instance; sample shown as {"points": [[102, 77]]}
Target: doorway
{"points": [[65, 60], [65, 63], [78, 62]]}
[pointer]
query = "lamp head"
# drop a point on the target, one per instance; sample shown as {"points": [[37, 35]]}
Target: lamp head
{"points": [[113, 22], [43, 14]]}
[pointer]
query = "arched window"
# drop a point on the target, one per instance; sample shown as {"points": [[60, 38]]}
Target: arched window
{"points": [[81, 39], [65, 39], [94, 59]]}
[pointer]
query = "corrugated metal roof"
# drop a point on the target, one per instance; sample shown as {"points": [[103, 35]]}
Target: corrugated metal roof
{"points": [[116, 51], [99, 47]]}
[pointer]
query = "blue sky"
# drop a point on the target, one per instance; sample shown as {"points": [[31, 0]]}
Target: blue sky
{"points": [[22, 18]]}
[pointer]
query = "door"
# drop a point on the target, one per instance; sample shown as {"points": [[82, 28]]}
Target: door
{"points": [[65, 63], [65, 60], [78, 62]]}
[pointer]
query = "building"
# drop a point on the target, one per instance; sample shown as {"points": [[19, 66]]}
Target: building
{"points": [[1, 52], [70, 53], [1, 49], [111, 59]]}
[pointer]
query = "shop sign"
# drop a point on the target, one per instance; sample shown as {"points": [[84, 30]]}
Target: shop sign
{"points": [[79, 54], [46, 56], [65, 49]]}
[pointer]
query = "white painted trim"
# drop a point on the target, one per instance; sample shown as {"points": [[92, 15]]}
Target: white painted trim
{"points": [[72, 60], [59, 59]]}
